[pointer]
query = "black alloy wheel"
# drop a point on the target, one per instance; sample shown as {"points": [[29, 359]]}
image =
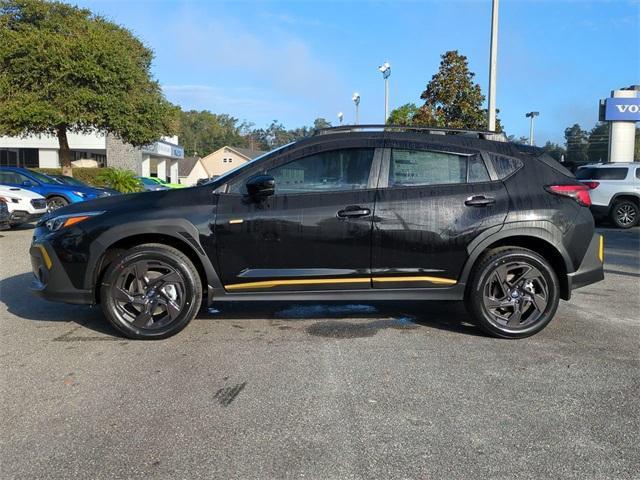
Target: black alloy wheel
{"points": [[151, 292], [514, 293], [625, 214]]}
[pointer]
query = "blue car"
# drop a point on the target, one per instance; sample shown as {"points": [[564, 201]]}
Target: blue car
{"points": [[57, 194]]}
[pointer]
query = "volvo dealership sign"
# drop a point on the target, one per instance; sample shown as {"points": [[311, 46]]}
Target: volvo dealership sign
{"points": [[164, 149], [622, 109]]}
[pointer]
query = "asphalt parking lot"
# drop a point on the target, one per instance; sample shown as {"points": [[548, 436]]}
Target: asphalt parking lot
{"points": [[322, 391]]}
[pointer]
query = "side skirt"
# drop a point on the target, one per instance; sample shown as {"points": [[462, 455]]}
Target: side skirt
{"points": [[455, 292]]}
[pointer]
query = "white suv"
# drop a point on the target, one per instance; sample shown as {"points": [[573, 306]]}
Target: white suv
{"points": [[615, 191], [24, 205]]}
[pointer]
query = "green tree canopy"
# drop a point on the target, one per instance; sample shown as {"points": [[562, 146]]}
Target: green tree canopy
{"points": [[403, 115], [577, 143], [204, 132], [63, 69], [554, 150], [598, 149], [452, 99]]}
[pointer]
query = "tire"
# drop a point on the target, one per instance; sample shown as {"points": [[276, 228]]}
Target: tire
{"points": [[530, 287], [56, 202], [624, 214], [151, 292]]}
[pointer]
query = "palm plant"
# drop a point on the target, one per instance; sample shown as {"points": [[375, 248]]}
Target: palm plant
{"points": [[121, 180]]}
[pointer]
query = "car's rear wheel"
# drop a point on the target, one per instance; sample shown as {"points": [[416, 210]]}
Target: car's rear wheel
{"points": [[624, 214], [56, 202], [514, 293], [152, 291]]}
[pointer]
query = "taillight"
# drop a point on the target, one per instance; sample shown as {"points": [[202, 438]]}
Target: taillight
{"points": [[580, 193], [592, 185]]}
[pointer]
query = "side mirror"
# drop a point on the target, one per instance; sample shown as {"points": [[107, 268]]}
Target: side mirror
{"points": [[261, 186], [27, 183]]}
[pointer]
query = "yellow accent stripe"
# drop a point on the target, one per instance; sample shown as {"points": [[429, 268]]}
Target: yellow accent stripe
{"points": [[601, 249], [45, 256], [235, 221], [310, 281], [326, 281], [443, 281]]}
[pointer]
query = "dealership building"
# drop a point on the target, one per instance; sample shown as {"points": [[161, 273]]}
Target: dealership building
{"points": [[158, 159]]}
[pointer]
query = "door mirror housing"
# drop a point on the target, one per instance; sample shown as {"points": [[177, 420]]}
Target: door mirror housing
{"points": [[261, 186], [27, 183]]}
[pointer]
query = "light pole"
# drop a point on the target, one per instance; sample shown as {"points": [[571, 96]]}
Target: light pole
{"points": [[385, 69], [340, 117], [356, 99], [531, 115], [493, 60]]}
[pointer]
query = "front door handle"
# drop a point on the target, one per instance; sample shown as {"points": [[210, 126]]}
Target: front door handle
{"points": [[353, 211], [479, 201]]}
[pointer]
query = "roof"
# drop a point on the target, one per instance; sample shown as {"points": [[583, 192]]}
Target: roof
{"points": [[247, 152], [186, 165]]}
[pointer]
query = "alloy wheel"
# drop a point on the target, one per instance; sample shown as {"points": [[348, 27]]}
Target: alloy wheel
{"points": [[149, 294], [55, 204], [515, 295], [626, 214]]}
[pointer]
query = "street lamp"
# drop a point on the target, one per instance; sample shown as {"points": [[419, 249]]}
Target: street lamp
{"points": [[356, 99], [340, 117], [493, 60], [531, 115], [385, 69]]}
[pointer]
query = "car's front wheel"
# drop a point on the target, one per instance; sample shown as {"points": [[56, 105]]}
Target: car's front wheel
{"points": [[55, 202], [514, 293], [152, 291], [624, 214]]}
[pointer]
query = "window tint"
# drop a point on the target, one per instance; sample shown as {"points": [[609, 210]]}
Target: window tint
{"points": [[638, 173], [617, 173], [328, 171], [477, 170], [13, 177], [414, 167], [504, 166], [585, 173]]}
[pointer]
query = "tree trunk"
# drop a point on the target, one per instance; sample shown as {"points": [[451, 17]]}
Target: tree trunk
{"points": [[65, 152]]}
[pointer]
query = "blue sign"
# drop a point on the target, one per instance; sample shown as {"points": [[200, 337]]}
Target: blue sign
{"points": [[623, 109]]}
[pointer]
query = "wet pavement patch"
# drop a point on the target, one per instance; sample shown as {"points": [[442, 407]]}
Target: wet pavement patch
{"points": [[310, 311], [346, 329], [227, 395]]}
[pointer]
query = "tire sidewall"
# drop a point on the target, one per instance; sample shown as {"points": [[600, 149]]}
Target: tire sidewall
{"points": [[191, 284], [614, 216], [476, 293]]}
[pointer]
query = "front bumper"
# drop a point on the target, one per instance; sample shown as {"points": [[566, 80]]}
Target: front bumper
{"points": [[22, 216], [51, 282], [592, 267]]}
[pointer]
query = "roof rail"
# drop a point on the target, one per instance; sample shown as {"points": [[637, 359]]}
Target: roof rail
{"points": [[482, 134]]}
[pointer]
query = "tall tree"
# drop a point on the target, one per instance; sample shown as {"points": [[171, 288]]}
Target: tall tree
{"points": [[204, 132], [577, 143], [63, 69], [554, 150], [598, 150], [452, 99], [403, 115]]}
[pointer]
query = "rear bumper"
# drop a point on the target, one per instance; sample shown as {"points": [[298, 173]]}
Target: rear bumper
{"points": [[51, 281], [599, 211], [592, 268]]}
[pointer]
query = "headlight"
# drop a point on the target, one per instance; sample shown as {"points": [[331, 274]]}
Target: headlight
{"points": [[56, 223], [80, 194]]}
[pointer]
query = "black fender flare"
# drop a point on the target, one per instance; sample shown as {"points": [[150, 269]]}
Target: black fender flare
{"points": [[180, 229], [540, 230]]}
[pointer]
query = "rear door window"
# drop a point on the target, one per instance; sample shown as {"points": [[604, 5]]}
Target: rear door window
{"points": [[421, 167], [616, 173]]}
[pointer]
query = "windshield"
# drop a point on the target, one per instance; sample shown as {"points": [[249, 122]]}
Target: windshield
{"points": [[70, 180], [43, 178]]}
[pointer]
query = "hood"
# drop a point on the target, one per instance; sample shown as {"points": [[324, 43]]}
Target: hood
{"points": [[18, 192]]}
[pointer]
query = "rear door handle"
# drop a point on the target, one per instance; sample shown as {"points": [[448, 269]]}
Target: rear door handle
{"points": [[479, 201], [353, 211]]}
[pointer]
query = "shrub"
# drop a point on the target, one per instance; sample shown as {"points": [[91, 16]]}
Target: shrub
{"points": [[124, 181]]}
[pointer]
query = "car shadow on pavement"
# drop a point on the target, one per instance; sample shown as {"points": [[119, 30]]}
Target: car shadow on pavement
{"points": [[443, 315], [15, 295]]}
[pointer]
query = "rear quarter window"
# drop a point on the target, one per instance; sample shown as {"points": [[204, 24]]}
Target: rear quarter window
{"points": [[504, 166]]}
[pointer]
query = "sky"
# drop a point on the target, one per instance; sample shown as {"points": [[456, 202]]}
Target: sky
{"points": [[295, 61]]}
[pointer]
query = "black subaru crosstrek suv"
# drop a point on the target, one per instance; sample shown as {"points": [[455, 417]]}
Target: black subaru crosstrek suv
{"points": [[352, 213]]}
